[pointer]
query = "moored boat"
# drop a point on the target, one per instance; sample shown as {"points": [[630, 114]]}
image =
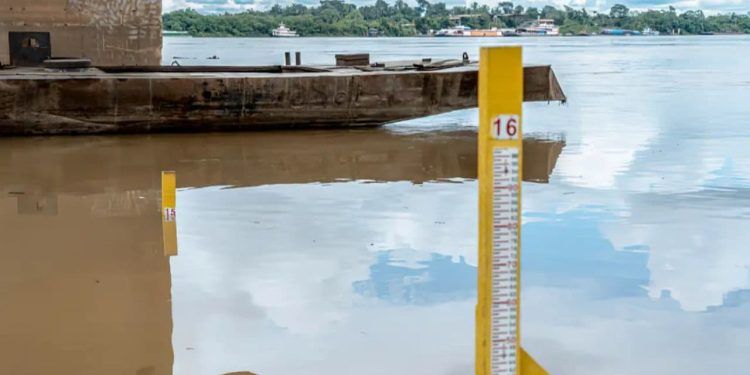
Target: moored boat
{"points": [[620, 32], [486, 32], [459, 30], [284, 32], [540, 27], [650, 32], [509, 32]]}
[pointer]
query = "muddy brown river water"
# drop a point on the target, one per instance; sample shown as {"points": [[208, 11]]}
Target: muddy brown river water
{"points": [[85, 283], [348, 252]]}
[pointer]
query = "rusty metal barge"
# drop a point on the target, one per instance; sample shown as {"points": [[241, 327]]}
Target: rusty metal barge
{"points": [[38, 101]]}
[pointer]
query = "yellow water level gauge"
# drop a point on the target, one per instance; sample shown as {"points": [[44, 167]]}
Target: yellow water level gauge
{"points": [[500, 174]]}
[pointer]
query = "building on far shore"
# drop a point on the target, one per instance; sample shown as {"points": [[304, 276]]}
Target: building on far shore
{"points": [[109, 32]]}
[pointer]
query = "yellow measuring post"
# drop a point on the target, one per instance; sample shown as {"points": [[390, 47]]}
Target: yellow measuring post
{"points": [[169, 212], [500, 174]]}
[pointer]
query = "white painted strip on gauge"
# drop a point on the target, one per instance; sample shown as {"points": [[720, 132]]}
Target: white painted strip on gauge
{"points": [[504, 317]]}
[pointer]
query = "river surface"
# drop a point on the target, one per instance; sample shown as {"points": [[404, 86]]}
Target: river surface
{"points": [[355, 252]]}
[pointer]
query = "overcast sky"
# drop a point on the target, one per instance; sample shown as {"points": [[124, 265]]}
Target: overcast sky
{"points": [[711, 6]]}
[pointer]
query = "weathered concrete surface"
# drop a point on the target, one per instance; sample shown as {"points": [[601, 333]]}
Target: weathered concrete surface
{"points": [[109, 32], [36, 102]]}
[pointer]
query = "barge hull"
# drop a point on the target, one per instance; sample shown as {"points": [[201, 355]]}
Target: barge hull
{"points": [[43, 103]]}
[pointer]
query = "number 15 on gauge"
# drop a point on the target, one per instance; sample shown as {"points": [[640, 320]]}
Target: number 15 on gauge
{"points": [[506, 127]]}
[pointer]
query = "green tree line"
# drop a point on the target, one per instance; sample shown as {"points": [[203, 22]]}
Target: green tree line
{"points": [[337, 18]]}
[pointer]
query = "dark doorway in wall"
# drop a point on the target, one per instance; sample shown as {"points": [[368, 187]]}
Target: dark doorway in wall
{"points": [[29, 48]]}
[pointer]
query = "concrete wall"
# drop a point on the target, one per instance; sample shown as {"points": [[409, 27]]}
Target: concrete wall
{"points": [[110, 32]]}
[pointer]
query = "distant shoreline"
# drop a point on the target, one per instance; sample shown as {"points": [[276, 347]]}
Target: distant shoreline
{"points": [[459, 38], [336, 18]]}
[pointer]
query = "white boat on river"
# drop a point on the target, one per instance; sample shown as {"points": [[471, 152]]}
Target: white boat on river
{"points": [[284, 32]]}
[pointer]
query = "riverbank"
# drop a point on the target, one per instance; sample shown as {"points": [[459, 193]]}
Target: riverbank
{"points": [[185, 35], [336, 18]]}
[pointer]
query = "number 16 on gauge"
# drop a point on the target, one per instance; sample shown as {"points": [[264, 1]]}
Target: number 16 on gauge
{"points": [[506, 127]]}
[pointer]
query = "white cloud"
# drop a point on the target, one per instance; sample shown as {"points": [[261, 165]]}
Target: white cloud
{"points": [[272, 267], [318, 295], [208, 6], [589, 336]]}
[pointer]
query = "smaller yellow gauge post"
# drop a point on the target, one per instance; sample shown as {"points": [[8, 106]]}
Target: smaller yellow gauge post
{"points": [[169, 212]]}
